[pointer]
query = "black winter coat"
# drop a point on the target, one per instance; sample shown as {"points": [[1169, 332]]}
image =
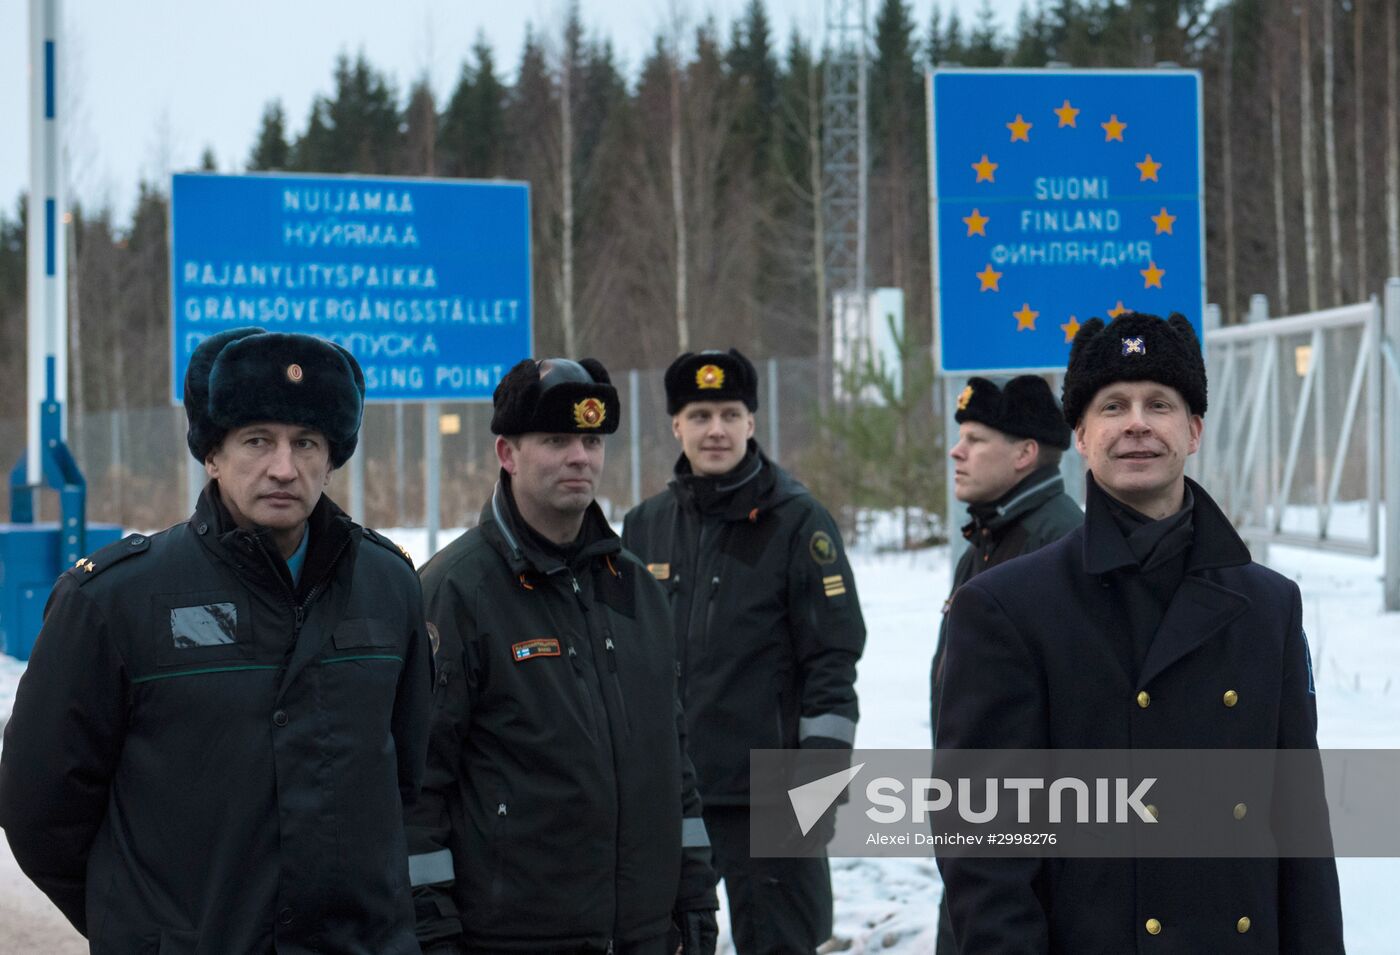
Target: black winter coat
{"points": [[1035, 512], [559, 810], [203, 759], [768, 623], [1037, 657]]}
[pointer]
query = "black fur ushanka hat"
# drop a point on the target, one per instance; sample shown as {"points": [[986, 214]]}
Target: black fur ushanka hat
{"points": [[1025, 408], [246, 375], [1135, 346], [570, 397], [711, 376]]}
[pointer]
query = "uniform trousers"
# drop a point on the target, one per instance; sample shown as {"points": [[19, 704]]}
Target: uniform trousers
{"points": [[776, 906]]}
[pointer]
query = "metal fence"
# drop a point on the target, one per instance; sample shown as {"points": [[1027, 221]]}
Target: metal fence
{"points": [[1302, 444], [140, 474], [1295, 427]]}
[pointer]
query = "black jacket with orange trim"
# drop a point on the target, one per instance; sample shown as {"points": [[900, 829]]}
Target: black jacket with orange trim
{"points": [[767, 617], [559, 810]]}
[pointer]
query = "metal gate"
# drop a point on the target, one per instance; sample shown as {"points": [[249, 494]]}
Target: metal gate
{"points": [[1302, 443]]}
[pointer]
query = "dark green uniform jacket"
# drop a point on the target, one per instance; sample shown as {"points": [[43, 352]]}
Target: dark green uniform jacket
{"points": [[1042, 655], [767, 619], [204, 759], [1035, 512], [559, 810]]}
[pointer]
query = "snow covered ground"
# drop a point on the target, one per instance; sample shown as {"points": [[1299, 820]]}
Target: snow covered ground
{"points": [[890, 905]]}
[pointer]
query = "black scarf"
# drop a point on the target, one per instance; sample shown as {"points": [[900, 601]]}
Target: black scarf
{"points": [[715, 495]]}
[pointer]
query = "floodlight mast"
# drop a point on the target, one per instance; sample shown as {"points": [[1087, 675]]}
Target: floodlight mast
{"points": [[845, 172]]}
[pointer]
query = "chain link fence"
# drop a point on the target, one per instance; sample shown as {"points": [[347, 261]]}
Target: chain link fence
{"points": [[135, 461]]}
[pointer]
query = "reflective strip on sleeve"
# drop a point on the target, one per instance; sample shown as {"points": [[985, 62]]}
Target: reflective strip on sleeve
{"points": [[430, 867], [694, 834], [829, 726]]}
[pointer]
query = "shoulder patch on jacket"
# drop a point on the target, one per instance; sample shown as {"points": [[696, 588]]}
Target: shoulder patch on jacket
{"points": [[822, 548], [92, 565], [382, 541]]}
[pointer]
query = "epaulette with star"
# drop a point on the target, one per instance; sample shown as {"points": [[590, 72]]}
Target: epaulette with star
{"points": [[387, 544], [95, 563]]}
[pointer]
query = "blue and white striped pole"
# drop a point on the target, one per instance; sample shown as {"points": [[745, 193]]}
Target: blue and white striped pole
{"points": [[47, 258]]}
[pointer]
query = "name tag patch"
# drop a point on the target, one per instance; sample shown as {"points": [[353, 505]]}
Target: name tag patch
{"points": [[660, 571], [538, 647], [207, 625]]}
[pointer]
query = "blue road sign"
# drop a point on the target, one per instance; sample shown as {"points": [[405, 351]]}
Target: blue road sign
{"points": [[425, 281], [1059, 195]]}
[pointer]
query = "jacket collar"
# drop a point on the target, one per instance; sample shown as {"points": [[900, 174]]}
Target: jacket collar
{"points": [[330, 529], [1030, 492], [756, 485], [501, 523], [1214, 545]]}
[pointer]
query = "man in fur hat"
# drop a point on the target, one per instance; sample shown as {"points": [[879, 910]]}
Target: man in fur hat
{"points": [[1147, 628], [768, 628], [559, 812], [222, 723], [1007, 471]]}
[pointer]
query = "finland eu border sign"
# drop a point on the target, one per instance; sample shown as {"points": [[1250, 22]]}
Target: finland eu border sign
{"points": [[1057, 195], [425, 281]]}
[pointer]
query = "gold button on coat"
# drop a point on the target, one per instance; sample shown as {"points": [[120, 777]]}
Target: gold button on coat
{"points": [[1151, 810], [1230, 698], [1240, 810], [1154, 927], [1242, 925], [1143, 700]]}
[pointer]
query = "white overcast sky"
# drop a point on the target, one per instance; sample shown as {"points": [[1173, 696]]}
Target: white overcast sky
{"points": [[151, 83]]}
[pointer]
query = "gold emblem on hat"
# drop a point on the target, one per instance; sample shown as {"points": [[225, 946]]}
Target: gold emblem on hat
{"points": [[590, 413], [964, 398], [294, 372], [710, 376]]}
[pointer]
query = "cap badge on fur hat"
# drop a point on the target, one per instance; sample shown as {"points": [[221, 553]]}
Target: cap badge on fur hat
{"points": [[294, 372], [1134, 346], [590, 413], [709, 376], [964, 397]]}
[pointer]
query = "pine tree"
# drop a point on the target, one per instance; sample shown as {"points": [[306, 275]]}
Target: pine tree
{"points": [[471, 137], [271, 150], [1032, 38], [754, 71], [984, 43], [898, 148], [419, 148], [356, 130]]}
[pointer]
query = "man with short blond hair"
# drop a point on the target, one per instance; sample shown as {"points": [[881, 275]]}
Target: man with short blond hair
{"points": [[768, 630]]}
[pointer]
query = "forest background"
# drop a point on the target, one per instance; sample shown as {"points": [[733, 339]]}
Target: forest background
{"points": [[679, 207]]}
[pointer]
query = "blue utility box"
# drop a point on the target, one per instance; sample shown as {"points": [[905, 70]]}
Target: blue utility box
{"points": [[29, 566]]}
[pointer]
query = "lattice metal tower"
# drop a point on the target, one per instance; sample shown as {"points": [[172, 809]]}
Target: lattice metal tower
{"points": [[845, 173]]}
